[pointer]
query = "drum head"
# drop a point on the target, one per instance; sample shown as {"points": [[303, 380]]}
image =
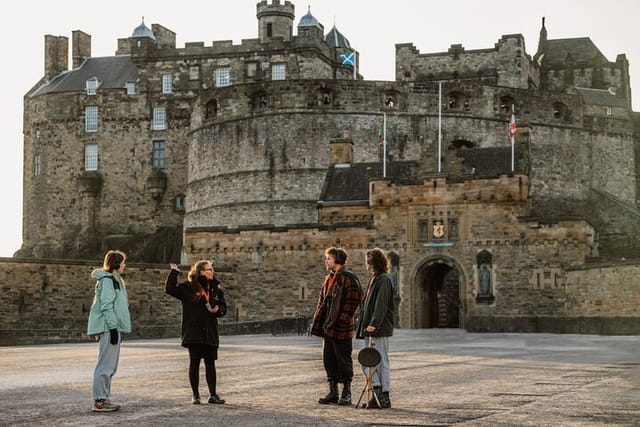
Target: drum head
{"points": [[369, 357]]}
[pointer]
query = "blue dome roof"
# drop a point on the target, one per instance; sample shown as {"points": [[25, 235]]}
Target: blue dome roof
{"points": [[143, 31], [335, 39], [308, 20]]}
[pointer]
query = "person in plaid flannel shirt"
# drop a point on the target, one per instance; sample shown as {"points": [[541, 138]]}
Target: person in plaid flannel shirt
{"points": [[334, 320]]}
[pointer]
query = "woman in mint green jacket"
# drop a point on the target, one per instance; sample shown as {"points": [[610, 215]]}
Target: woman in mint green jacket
{"points": [[108, 319]]}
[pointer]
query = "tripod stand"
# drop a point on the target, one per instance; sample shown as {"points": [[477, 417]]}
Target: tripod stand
{"points": [[369, 358]]}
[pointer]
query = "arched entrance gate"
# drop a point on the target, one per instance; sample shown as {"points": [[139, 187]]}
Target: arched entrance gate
{"points": [[438, 294]]}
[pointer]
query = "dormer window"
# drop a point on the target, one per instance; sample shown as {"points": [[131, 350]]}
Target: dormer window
{"points": [[92, 85], [131, 88]]}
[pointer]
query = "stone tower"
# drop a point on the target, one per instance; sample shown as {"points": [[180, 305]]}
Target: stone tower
{"points": [[275, 20]]}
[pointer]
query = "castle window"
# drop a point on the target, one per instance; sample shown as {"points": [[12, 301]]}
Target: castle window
{"points": [[91, 118], [278, 72], [269, 30], [506, 103], [36, 165], [91, 157], [179, 203], [252, 70], [608, 111], [455, 100], [131, 88], [194, 72], [222, 76], [158, 155], [167, 83], [211, 109], [389, 100], [159, 118], [92, 85], [559, 110]]}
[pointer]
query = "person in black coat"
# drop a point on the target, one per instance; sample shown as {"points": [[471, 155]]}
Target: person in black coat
{"points": [[203, 302]]}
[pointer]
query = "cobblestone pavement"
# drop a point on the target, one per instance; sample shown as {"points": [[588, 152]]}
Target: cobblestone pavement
{"points": [[441, 377]]}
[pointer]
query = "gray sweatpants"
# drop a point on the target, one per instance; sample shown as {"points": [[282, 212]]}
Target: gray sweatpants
{"points": [[108, 355]]}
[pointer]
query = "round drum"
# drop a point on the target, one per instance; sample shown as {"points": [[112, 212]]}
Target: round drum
{"points": [[369, 357]]}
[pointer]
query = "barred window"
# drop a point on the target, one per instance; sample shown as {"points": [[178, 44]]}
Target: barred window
{"points": [[167, 83], [278, 72], [91, 118], [158, 154], [222, 76], [36, 165], [159, 118], [91, 157]]}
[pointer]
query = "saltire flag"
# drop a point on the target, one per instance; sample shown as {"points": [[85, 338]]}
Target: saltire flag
{"points": [[348, 58], [512, 125]]}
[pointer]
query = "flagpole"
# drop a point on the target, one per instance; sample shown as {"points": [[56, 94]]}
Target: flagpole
{"points": [[439, 126], [513, 142], [384, 145], [355, 61]]}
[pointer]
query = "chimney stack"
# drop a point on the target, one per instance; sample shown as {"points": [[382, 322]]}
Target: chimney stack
{"points": [[80, 47], [56, 55]]}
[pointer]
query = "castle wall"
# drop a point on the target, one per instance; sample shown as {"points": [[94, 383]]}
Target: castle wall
{"points": [[57, 207], [508, 61]]}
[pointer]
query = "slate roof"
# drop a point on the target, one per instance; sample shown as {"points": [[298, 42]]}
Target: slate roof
{"points": [[143, 31], [308, 20], [350, 183], [334, 38], [601, 97], [581, 50], [113, 72]]}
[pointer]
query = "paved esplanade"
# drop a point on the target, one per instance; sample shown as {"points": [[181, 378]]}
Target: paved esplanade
{"points": [[440, 377]]}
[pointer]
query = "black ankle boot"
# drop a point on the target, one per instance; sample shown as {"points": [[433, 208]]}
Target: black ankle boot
{"points": [[385, 402], [332, 396], [345, 398], [377, 390]]}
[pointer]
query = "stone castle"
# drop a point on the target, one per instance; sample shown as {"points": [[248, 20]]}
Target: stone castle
{"points": [[262, 154]]}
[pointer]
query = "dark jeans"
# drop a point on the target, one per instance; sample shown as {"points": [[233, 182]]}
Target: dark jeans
{"points": [[336, 355]]}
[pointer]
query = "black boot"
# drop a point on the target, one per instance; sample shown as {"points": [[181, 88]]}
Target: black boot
{"points": [[345, 398], [332, 396], [377, 390], [385, 402]]}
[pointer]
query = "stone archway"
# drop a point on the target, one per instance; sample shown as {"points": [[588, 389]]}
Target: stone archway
{"points": [[438, 301]]}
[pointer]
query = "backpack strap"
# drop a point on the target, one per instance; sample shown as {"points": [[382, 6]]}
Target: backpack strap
{"points": [[116, 285]]}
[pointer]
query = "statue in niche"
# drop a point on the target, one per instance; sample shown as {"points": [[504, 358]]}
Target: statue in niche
{"points": [[485, 281], [485, 287]]}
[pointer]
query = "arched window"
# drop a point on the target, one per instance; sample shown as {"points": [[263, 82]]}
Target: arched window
{"points": [[211, 109]]}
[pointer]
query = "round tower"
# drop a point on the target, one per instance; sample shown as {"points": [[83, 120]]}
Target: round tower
{"points": [[275, 20]]}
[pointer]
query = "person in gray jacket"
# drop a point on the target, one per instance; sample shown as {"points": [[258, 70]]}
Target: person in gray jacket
{"points": [[108, 318], [375, 321]]}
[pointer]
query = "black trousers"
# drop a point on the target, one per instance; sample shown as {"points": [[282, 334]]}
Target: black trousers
{"points": [[336, 356]]}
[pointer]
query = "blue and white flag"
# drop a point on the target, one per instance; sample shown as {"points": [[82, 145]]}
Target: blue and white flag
{"points": [[348, 58]]}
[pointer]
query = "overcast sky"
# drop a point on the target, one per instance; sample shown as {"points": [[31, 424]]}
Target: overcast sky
{"points": [[372, 26]]}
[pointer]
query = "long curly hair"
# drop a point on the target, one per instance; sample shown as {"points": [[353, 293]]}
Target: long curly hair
{"points": [[378, 260]]}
